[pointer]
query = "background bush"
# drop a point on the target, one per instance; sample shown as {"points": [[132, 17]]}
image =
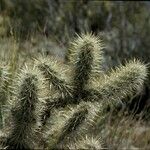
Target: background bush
{"points": [[124, 25]]}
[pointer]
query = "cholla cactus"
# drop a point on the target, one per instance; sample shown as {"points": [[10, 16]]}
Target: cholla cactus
{"points": [[89, 81], [64, 123], [91, 84], [120, 83], [86, 59], [58, 84], [26, 109], [4, 81], [55, 73], [87, 142], [74, 98]]}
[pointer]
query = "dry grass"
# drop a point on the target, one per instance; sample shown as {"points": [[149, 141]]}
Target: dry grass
{"points": [[125, 131]]}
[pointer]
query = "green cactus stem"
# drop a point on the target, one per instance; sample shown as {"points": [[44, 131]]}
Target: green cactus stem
{"points": [[25, 110], [67, 123], [86, 58]]}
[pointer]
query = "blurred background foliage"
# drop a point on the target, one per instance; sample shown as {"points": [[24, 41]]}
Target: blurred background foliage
{"points": [[123, 26]]}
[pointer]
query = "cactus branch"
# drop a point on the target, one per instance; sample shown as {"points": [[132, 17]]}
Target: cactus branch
{"points": [[25, 112], [67, 123]]}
